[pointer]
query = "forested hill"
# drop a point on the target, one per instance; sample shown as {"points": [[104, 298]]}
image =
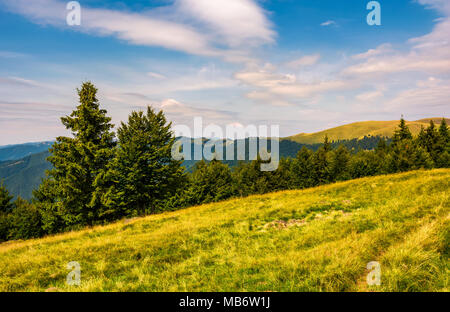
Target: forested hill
{"points": [[18, 151], [358, 130], [21, 176]]}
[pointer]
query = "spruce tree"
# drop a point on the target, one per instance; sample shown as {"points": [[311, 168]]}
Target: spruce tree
{"points": [[5, 200], [443, 132], [443, 159], [302, 168], [402, 133], [363, 164], [80, 160], [251, 180], [212, 182], [6, 207], [339, 164], [321, 164], [326, 144], [143, 174], [25, 221]]}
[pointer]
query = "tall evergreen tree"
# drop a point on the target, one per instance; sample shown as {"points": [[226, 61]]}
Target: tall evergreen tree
{"points": [[210, 182], [443, 159], [402, 133], [326, 144], [143, 173], [80, 160], [363, 164], [321, 164], [5, 200], [339, 164], [443, 131], [24, 221], [302, 168]]}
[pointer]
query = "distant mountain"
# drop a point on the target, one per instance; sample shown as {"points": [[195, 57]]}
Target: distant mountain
{"points": [[360, 129], [22, 176], [18, 151]]}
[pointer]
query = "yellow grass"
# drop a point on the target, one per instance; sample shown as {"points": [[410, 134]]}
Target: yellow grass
{"points": [[360, 129]]}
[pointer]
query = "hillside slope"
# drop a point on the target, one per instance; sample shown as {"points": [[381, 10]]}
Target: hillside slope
{"points": [[361, 129], [24, 175], [318, 239]]}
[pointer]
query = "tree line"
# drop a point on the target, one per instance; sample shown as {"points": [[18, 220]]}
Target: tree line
{"points": [[99, 176]]}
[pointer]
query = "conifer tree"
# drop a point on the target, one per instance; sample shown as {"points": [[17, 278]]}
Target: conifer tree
{"points": [[321, 164], [443, 131], [402, 133], [339, 164], [143, 173], [25, 221], [251, 180], [326, 144], [80, 160], [211, 182], [382, 146], [302, 168], [5, 200], [443, 159]]}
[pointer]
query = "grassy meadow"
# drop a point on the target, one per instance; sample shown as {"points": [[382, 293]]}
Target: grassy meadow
{"points": [[361, 129], [318, 239]]}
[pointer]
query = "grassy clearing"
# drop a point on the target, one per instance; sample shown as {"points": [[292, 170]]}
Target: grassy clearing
{"points": [[361, 129], [318, 239]]}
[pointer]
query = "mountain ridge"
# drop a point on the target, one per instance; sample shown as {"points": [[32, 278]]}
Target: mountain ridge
{"points": [[360, 129]]}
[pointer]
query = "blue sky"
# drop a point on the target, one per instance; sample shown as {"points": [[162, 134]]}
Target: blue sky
{"points": [[303, 65]]}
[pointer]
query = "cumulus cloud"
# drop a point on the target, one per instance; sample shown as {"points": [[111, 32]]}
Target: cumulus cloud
{"points": [[431, 93], [428, 54], [273, 85], [380, 50], [236, 22]]}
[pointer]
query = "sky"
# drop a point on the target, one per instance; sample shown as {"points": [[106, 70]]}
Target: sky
{"points": [[303, 65]]}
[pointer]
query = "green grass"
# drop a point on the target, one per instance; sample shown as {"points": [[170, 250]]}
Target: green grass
{"points": [[358, 130], [318, 239]]}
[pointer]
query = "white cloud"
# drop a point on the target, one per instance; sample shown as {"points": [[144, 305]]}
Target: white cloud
{"points": [[274, 85], [428, 54], [223, 28], [431, 95], [307, 60], [380, 50], [328, 23], [369, 96], [236, 22], [156, 75]]}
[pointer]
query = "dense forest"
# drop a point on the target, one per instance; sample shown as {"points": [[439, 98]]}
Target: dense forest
{"points": [[99, 176]]}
